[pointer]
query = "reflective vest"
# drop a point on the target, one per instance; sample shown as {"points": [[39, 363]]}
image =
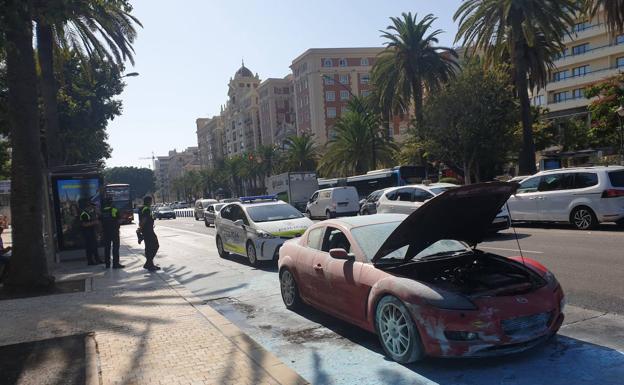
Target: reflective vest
{"points": [[109, 217]]}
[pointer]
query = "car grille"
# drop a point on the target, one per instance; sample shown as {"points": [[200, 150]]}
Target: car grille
{"points": [[528, 324]]}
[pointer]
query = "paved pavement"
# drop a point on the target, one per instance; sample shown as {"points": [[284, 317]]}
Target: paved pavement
{"points": [[588, 349], [148, 330]]}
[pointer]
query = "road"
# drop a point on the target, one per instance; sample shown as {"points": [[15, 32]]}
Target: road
{"points": [[327, 351]]}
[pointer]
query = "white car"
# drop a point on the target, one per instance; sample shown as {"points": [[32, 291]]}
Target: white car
{"points": [[583, 196], [256, 227], [333, 202]]}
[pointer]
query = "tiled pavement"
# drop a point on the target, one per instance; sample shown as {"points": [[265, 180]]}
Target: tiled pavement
{"points": [[148, 330]]}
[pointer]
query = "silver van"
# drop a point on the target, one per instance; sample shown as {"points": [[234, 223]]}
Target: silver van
{"points": [[333, 202]]}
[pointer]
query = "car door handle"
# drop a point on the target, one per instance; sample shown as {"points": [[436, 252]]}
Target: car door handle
{"points": [[318, 267]]}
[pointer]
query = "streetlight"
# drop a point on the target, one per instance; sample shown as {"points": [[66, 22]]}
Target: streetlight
{"points": [[620, 113], [129, 75]]}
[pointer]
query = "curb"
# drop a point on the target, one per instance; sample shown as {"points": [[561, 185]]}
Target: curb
{"points": [[256, 352]]}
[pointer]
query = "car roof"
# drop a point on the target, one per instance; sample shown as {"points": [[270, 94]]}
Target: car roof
{"points": [[366, 220], [261, 203], [336, 188], [577, 169]]}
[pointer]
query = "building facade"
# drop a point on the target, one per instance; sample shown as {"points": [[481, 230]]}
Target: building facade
{"points": [[168, 168], [592, 54], [210, 137], [277, 110]]}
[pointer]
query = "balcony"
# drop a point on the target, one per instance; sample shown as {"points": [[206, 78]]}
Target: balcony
{"points": [[583, 80], [589, 55], [568, 104], [594, 30]]}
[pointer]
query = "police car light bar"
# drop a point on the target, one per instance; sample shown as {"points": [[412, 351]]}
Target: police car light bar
{"points": [[258, 198]]}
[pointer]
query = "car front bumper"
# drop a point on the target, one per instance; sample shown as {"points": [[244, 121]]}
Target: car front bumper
{"points": [[500, 223]]}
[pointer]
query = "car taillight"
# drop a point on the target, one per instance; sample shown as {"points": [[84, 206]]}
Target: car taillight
{"points": [[612, 193]]}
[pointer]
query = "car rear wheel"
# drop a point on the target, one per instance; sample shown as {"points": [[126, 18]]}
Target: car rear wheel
{"points": [[328, 214], [397, 332], [583, 218], [220, 249], [251, 254], [307, 213], [290, 292]]}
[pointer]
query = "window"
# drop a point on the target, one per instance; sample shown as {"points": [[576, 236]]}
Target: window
{"points": [[619, 39], [619, 62], [529, 185], [325, 194], [578, 93], [315, 238], [563, 53], [344, 79], [330, 96], [335, 239], [365, 93], [329, 79], [580, 71], [364, 78], [403, 195], [579, 27], [585, 179], [342, 62], [561, 96], [556, 182], [226, 212], [364, 61], [344, 95], [343, 110], [538, 100], [331, 112], [580, 49], [616, 178], [270, 213], [421, 195], [560, 75], [327, 63], [314, 197]]}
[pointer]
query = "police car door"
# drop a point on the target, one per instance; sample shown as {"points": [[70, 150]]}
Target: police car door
{"points": [[226, 227], [238, 230]]}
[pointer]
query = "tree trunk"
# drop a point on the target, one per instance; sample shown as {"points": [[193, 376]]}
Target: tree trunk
{"points": [[29, 269], [49, 92], [418, 102], [466, 166], [526, 161]]}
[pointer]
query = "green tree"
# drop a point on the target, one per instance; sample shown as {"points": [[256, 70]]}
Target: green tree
{"points": [[477, 142], [605, 126], [301, 153], [141, 180], [613, 9], [411, 64], [525, 32], [358, 143]]}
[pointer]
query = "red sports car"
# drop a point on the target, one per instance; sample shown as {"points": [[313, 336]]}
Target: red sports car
{"points": [[420, 283]]}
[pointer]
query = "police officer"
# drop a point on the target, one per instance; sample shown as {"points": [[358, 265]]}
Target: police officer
{"points": [[146, 227], [110, 225], [88, 222]]}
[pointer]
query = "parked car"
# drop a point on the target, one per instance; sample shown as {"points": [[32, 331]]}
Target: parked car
{"points": [[419, 281], [229, 200], [256, 227], [164, 212], [518, 178], [406, 199], [333, 202], [584, 197], [210, 213], [200, 206], [369, 205]]}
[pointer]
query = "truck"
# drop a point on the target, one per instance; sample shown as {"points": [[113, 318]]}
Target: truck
{"points": [[293, 187]]}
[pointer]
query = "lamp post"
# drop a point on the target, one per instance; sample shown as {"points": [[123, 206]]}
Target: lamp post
{"points": [[620, 114]]}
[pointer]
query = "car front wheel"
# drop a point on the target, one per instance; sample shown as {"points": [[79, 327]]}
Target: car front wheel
{"points": [[206, 223], [220, 249], [397, 332], [251, 254], [290, 292], [583, 218]]}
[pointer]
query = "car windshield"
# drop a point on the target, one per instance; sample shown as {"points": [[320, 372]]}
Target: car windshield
{"points": [[165, 208], [217, 207], [269, 213], [371, 237]]}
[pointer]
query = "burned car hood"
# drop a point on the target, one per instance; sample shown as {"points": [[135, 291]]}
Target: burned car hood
{"points": [[463, 214]]}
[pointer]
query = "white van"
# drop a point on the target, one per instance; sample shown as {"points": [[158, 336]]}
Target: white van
{"points": [[333, 202]]}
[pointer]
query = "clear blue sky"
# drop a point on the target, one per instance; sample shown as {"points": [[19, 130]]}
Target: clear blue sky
{"points": [[188, 50]]}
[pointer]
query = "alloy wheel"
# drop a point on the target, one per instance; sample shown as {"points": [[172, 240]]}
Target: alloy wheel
{"points": [[394, 330], [251, 254], [287, 285], [582, 219]]}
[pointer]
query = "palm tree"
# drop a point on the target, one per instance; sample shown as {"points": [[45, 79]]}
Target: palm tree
{"points": [[614, 12], [516, 30], [411, 63], [301, 153], [92, 28], [357, 145]]}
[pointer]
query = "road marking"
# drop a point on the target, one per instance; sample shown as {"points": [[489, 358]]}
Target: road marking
{"points": [[185, 231], [516, 250]]}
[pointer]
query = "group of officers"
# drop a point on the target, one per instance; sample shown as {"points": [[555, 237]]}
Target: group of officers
{"points": [[110, 221]]}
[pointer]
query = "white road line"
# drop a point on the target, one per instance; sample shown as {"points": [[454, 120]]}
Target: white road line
{"points": [[516, 250]]}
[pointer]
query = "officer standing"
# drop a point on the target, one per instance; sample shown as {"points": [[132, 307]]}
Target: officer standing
{"points": [[110, 224], [88, 222], [146, 228]]}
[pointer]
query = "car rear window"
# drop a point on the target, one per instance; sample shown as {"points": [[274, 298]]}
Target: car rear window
{"points": [[585, 179], [617, 178], [344, 194]]}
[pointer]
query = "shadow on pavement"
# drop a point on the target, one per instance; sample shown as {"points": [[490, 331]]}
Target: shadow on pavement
{"points": [[566, 226], [505, 237]]}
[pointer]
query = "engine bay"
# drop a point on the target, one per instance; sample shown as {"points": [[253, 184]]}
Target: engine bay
{"points": [[473, 273]]}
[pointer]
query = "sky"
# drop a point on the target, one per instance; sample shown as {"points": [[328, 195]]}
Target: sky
{"points": [[188, 50]]}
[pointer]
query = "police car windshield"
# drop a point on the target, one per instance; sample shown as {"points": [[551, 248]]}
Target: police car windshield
{"points": [[269, 213], [165, 208]]}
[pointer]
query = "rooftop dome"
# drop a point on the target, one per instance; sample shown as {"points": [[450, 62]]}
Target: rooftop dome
{"points": [[243, 72]]}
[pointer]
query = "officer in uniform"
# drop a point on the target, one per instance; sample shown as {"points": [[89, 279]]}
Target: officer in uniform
{"points": [[88, 222], [110, 224], [146, 229]]}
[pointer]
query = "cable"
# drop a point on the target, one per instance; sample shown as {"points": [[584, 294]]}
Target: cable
{"points": [[515, 233]]}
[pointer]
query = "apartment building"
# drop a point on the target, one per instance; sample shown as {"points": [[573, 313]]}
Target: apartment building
{"points": [[174, 165], [592, 54], [210, 136], [324, 81], [277, 110]]}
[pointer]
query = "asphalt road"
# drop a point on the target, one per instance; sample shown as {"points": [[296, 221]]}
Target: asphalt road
{"points": [[327, 351]]}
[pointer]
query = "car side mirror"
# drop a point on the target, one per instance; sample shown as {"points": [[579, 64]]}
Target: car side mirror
{"points": [[239, 222], [341, 254]]}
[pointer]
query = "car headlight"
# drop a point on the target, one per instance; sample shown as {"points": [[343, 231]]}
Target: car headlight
{"points": [[450, 301], [264, 234]]}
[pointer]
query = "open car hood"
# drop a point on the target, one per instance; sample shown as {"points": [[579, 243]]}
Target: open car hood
{"points": [[463, 214]]}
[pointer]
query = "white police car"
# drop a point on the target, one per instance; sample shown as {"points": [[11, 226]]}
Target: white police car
{"points": [[257, 227]]}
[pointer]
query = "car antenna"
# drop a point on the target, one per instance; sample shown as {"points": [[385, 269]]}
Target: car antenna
{"points": [[515, 234]]}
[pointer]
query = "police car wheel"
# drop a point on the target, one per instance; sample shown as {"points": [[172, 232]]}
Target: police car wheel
{"points": [[251, 254], [220, 249]]}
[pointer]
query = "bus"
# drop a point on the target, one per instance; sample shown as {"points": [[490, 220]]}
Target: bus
{"points": [[122, 200], [380, 179]]}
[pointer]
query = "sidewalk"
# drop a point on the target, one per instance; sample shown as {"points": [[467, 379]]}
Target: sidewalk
{"points": [[148, 329]]}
